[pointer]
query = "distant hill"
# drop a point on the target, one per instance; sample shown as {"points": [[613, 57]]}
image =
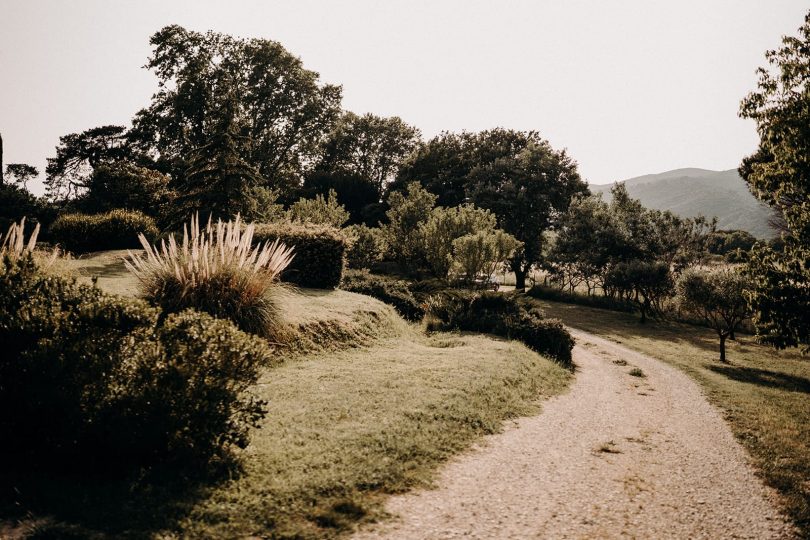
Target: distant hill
{"points": [[690, 192]]}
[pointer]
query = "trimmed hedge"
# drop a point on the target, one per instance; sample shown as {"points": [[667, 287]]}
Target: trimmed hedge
{"points": [[503, 315], [116, 229], [94, 381], [389, 290], [320, 252]]}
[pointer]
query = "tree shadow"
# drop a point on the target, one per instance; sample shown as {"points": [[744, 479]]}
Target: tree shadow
{"points": [[43, 504], [764, 377]]}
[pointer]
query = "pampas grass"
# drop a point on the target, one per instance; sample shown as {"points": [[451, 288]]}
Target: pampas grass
{"points": [[14, 246], [217, 270]]}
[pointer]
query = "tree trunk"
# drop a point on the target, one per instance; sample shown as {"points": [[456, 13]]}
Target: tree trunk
{"points": [[520, 279], [723, 337], [731, 335]]}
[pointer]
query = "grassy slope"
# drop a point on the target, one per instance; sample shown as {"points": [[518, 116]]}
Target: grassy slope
{"points": [[763, 392], [347, 424]]}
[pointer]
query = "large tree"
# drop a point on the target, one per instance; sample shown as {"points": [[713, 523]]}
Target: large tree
{"points": [[78, 154], [779, 174], [370, 147], [283, 111]]}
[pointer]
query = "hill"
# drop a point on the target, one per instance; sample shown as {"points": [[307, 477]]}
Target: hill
{"points": [[692, 192]]}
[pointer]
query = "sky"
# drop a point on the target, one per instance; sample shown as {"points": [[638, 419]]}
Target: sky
{"points": [[628, 87]]}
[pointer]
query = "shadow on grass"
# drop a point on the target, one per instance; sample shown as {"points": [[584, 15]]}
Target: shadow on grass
{"points": [[44, 505], [764, 377]]}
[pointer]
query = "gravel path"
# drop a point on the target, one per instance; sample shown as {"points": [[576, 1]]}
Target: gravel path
{"points": [[618, 456]]}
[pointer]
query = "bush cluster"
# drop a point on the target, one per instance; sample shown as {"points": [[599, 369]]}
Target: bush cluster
{"points": [[116, 229], [502, 315], [93, 380], [389, 290], [320, 252]]}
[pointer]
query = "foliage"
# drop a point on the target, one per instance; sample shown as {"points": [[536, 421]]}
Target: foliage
{"points": [[219, 180], [502, 315], [78, 154], [371, 147], [91, 380], [127, 186], [319, 211], [21, 173], [555, 294], [355, 193], [645, 284], [481, 253], [282, 109], [444, 226], [389, 290], [320, 252], [406, 215], [779, 174], [718, 297], [17, 203], [725, 242], [216, 270], [516, 175], [116, 229], [366, 246]]}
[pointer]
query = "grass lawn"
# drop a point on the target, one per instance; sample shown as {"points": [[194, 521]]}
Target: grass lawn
{"points": [[347, 425], [764, 393]]}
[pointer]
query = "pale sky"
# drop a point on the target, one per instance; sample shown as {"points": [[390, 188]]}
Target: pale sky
{"points": [[628, 87]]}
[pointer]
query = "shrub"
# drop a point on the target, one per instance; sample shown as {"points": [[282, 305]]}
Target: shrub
{"points": [[388, 290], [482, 253], [403, 232], [444, 226], [117, 229], [93, 380], [502, 315], [319, 252], [216, 270], [319, 211], [127, 186], [367, 246]]}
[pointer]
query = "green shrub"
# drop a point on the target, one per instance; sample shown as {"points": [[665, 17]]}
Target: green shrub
{"points": [[319, 252], [388, 290], [502, 315], [367, 246], [216, 270], [98, 381], [117, 229]]}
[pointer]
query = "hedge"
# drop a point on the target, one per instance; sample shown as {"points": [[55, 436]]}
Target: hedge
{"points": [[386, 289], [320, 252], [100, 382], [116, 229], [502, 315]]}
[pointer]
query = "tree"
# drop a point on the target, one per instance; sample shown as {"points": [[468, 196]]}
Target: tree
{"points": [[370, 147], [444, 226], [779, 174], [482, 252], [718, 297], [319, 210], [366, 246], [528, 192], [355, 193], [21, 173], [405, 216], [645, 284], [124, 185], [78, 154], [283, 111]]}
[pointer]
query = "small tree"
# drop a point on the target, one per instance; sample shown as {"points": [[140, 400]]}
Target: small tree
{"points": [[405, 217], [21, 173], [446, 225], [718, 297], [482, 252], [366, 246], [646, 284], [320, 210]]}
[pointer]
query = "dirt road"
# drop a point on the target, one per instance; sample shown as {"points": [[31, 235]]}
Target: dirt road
{"points": [[624, 454]]}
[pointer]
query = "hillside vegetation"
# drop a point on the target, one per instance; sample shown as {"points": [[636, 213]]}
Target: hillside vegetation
{"points": [[693, 192]]}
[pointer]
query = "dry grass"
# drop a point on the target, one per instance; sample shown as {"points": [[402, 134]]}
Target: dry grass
{"points": [[763, 392], [14, 245]]}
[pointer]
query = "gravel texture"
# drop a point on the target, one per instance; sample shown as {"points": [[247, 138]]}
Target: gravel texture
{"points": [[618, 456]]}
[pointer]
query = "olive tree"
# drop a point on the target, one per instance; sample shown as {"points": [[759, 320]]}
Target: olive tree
{"points": [[718, 297]]}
